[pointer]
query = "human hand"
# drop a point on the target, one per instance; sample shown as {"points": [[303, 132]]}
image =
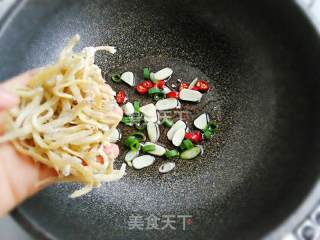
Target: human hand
{"points": [[19, 175]]}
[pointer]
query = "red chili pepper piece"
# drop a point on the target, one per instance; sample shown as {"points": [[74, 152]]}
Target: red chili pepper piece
{"points": [[195, 137], [172, 94], [120, 97], [195, 88], [141, 89], [202, 85], [183, 85], [147, 84], [159, 84], [188, 136]]}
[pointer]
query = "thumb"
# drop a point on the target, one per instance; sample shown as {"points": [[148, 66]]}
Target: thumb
{"points": [[7, 99]]}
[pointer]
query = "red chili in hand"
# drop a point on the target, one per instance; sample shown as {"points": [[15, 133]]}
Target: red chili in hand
{"points": [[195, 137], [147, 84], [172, 94], [141, 89], [120, 97], [183, 85], [202, 85], [159, 84]]}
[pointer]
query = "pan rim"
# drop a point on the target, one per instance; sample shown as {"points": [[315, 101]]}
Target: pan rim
{"points": [[290, 223]]}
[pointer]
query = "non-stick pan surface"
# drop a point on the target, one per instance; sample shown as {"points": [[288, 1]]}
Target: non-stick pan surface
{"points": [[262, 57]]}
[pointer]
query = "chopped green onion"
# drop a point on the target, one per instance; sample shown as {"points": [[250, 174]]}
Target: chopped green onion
{"points": [[148, 148], [137, 117], [136, 105], [153, 91], [116, 77], [207, 134], [209, 130], [212, 126], [190, 153], [157, 97], [167, 122], [132, 143], [171, 153], [127, 120], [186, 144], [156, 93], [146, 73], [139, 136], [140, 126]]}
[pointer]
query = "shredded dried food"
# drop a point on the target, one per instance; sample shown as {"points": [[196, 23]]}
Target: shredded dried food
{"points": [[64, 119]]}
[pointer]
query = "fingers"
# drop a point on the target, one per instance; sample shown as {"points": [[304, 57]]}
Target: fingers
{"points": [[19, 80], [19, 177], [7, 98]]}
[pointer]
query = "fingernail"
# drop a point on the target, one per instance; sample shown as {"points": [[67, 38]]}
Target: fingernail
{"points": [[7, 99]]}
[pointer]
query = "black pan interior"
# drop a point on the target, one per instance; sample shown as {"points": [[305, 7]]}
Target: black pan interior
{"points": [[261, 56]]}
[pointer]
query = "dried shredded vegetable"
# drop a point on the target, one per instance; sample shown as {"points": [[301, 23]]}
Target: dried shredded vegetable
{"points": [[64, 117]]}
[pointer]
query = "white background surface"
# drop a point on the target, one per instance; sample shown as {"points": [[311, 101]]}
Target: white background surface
{"points": [[10, 230]]}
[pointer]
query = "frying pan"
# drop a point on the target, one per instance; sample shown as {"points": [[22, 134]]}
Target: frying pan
{"points": [[259, 175]]}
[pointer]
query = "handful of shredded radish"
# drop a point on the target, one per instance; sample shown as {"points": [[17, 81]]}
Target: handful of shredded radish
{"points": [[64, 119]]}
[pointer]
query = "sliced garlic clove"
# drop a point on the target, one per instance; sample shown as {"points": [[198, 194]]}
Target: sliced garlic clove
{"points": [[131, 155], [153, 131], [178, 137], [167, 104], [163, 74], [201, 122], [115, 135], [167, 167], [149, 110], [174, 128], [193, 83], [128, 109], [159, 150], [190, 95], [143, 161], [128, 78]]}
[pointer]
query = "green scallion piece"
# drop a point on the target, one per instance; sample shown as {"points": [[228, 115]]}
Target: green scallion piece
{"points": [[146, 73], [186, 144], [156, 93], [116, 77], [167, 122], [212, 126], [139, 136], [127, 120], [148, 148], [132, 143], [210, 129], [136, 105], [171, 153], [159, 96], [190, 153], [207, 134], [140, 126], [153, 91]]}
